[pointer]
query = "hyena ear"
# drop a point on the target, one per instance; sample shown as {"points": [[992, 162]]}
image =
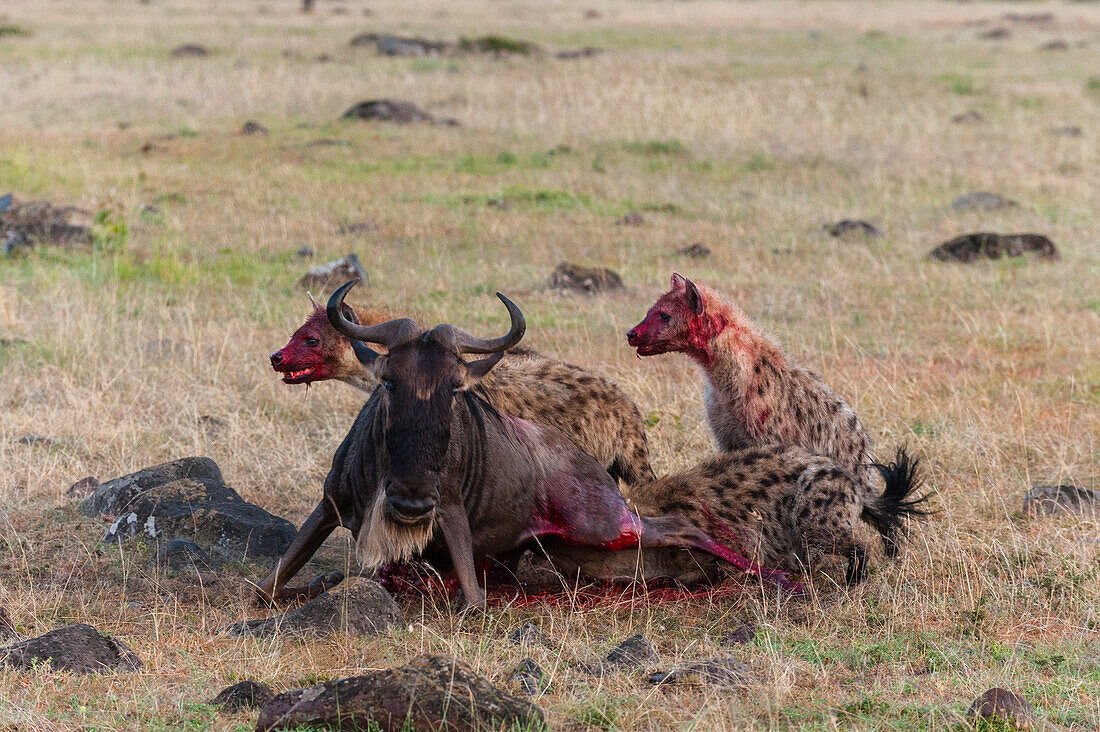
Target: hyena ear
{"points": [[349, 313], [316, 305], [694, 298], [678, 281], [478, 369]]}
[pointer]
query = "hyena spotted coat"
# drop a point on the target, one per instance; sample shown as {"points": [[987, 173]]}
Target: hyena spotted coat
{"points": [[587, 408], [755, 394]]}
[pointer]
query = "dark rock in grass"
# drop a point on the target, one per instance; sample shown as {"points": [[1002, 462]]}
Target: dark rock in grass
{"points": [[575, 53], [995, 34], [25, 223], [852, 229], [362, 40], [1071, 131], [181, 555], [388, 110], [16, 240], [82, 488], [431, 692], [530, 678], [190, 50], [1002, 706], [411, 47], [188, 499], [984, 245], [634, 652], [1055, 45], [720, 672], [631, 218], [1050, 500], [305, 252], [585, 280], [7, 627], [243, 696], [1030, 18], [328, 142], [251, 127], [695, 251], [37, 440], [497, 46], [982, 201], [76, 648], [330, 275], [741, 635], [358, 227], [969, 117], [358, 607], [592, 14], [529, 634]]}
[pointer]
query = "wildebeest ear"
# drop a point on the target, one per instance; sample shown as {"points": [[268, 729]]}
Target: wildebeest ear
{"points": [[694, 297], [482, 366], [365, 355]]}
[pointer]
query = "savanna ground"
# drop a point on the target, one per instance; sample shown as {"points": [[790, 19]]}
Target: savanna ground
{"points": [[744, 126]]}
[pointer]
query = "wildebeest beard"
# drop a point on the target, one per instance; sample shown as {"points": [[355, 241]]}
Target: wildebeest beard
{"points": [[382, 541]]}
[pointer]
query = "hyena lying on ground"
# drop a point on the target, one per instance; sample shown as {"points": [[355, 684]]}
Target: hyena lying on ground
{"points": [[774, 504], [587, 408], [755, 394]]}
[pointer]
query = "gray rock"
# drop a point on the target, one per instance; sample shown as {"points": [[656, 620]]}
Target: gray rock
{"points": [[1071, 131], [634, 652], [78, 648], [330, 275], [1050, 500], [741, 635], [969, 248], [251, 127], [695, 251], [575, 53], [1002, 706], [530, 678], [37, 440], [852, 229], [306, 252], [431, 692], [190, 50], [358, 607], [584, 280], [996, 34], [27, 223], [388, 110], [1056, 44], [414, 47], [181, 555], [721, 672], [529, 634], [982, 201], [243, 696], [187, 499], [969, 117]]}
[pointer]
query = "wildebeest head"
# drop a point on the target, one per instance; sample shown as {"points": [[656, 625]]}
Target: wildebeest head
{"points": [[421, 376]]}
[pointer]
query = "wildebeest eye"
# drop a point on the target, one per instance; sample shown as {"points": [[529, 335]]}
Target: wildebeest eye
{"points": [[665, 317], [312, 342], [388, 383]]}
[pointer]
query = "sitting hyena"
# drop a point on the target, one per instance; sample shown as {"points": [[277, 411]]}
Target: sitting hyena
{"points": [[587, 408], [755, 394], [777, 505]]}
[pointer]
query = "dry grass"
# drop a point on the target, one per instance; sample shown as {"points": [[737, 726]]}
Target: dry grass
{"points": [[784, 115]]}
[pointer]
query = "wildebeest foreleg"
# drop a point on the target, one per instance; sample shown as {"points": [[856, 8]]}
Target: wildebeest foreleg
{"points": [[455, 524], [313, 533]]}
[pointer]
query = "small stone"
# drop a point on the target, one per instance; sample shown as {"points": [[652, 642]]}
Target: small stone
{"points": [[190, 50], [851, 229], [530, 678], [720, 672], [1051, 500], [77, 648], [1072, 131], [982, 201], [584, 280], [529, 634], [592, 14], [388, 110], [330, 275], [181, 555], [969, 117], [243, 696], [575, 53], [743, 634], [358, 227], [358, 607], [1055, 45], [634, 652], [305, 252], [631, 218], [1001, 705], [82, 488], [995, 34], [251, 127], [695, 251]]}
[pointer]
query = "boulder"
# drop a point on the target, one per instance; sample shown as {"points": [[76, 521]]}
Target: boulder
{"points": [[188, 499], [26, 223], [634, 652], [429, 693], [388, 110], [358, 607], [1001, 707], [1050, 500], [969, 248], [720, 672], [330, 275], [78, 648], [252, 127], [741, 635], [852, 229], [530, 678], [695, 251], [584, 280], [181, 555], [243, 696]]}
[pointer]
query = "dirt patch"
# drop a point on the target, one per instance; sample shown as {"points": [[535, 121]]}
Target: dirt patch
{"points": [[984, 245]]}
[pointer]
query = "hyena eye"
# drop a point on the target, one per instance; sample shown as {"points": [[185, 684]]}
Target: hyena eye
{"points": [[312, 342], [665, 317]]}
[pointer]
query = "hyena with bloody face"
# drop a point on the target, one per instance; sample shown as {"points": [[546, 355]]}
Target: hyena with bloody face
{"points": [[755, 394], [587, 408]]}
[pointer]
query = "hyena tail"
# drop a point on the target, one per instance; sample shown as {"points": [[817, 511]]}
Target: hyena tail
{"points": [[890, 512]]}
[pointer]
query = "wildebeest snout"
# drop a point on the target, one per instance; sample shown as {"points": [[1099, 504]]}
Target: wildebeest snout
{"points": [[409, 507]]}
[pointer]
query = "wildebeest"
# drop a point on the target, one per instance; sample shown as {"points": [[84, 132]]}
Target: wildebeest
{"points": [[429, 452], [584, 406], [755, 394]]}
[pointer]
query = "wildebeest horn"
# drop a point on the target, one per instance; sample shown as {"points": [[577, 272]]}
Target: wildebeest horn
{"points": [[388, 334], [467, 343]]}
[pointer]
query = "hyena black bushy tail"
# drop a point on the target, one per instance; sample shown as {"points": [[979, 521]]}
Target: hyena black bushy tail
{"points": [[898, 502]]}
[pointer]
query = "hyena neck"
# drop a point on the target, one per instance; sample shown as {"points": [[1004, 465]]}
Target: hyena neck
{"points": [[363, 383], [742, 358]]}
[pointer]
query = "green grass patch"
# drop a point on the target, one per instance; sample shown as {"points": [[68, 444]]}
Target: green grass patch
{"points": [[961, 84], [655, 147]]}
